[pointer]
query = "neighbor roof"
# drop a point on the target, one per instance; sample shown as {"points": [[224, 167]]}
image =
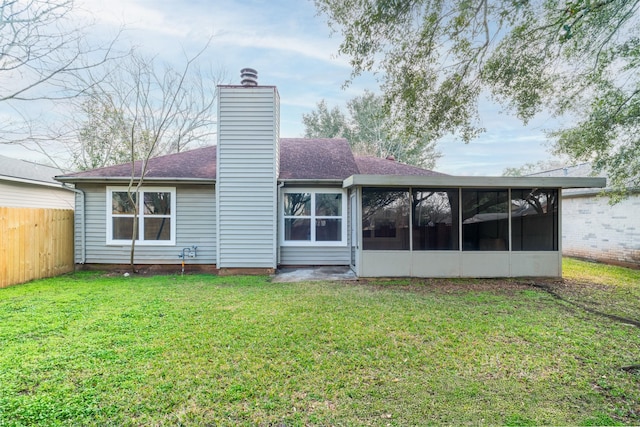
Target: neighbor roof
{"points": [[580, 170], [377, 166], [300, 159], [20, 170]]}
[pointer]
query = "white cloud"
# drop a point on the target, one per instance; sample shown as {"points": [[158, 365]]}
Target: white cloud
{"points": [[233, 24], [290, 47], [316, 49]]}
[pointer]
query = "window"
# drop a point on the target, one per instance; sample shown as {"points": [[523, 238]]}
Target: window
{"points": [[385, 219], [435, 219], [534, 219], [485, 220], [314, 217], [156, 218]]}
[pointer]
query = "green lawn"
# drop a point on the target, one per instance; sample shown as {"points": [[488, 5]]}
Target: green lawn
{"points": [[88, 349]]}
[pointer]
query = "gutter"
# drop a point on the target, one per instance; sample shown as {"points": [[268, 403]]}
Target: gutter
{"points": [[83, 228], [31, 181], [283, 182]]}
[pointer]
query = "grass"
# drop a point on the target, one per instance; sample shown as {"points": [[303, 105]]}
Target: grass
{"points": [[605, 288], [89, 349]]}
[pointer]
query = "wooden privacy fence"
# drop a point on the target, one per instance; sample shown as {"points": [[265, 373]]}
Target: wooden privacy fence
{"points": [[34, 243]]}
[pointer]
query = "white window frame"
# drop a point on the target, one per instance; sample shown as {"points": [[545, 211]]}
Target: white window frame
{"points": [[313, 217], [141, 217]]}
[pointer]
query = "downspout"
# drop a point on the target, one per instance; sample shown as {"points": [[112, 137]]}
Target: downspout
{"points": [[83, 228], [278, 214]]}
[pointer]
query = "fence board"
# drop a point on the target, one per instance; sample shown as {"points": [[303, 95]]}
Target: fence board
{"points": [[34, 243]]}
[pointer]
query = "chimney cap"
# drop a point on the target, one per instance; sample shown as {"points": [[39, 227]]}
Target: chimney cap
{"points": [[248, 77]]}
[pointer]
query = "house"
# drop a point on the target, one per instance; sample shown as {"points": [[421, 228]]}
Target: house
{"points": [[256, 201], [30, 185], [594, 229]]}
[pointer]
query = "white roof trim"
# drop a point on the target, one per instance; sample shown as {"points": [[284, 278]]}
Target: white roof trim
{"points": [[31, 181], [472, 181], [311, 181]]}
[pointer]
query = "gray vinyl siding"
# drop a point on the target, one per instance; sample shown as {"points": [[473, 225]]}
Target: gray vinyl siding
{"points": [[246, 177], [24, 195], [315, 255], [195, 226], [277, 146]]}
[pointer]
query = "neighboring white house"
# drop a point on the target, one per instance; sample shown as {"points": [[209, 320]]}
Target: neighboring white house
{"points": [[594, 229], [258, 201], [30, 185]]}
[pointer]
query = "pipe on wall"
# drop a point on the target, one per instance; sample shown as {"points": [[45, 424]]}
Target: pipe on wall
{"points": [[83, 228]]}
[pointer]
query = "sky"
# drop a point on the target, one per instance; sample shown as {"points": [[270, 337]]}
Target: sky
{"points": [[292, 48]]}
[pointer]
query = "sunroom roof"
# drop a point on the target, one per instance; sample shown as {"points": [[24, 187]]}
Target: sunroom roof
{"points": [[472, 181]]}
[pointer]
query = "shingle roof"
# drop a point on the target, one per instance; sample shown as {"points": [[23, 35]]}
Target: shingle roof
{"points": [[21, 169], [195, 164], [300, 159], [316, 159]]}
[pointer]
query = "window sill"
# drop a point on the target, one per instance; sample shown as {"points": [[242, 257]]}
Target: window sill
{"points": [[304, 244], [138, 243]]}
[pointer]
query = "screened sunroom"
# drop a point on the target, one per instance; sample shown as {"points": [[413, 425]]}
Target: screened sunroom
{"points": [[447, 226]]}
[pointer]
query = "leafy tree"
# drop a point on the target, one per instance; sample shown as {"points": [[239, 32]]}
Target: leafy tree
{"points": [[325, 123], [369, 131], [577, 58], [102, 136]]}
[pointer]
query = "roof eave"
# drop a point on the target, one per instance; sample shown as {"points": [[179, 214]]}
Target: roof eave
{"points": [[119, 179], [312, 181], [472, 181], [247, 87], [30, 181], [586, 192]]}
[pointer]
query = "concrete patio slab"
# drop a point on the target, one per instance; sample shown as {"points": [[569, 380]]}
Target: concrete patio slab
{"points": [[306, 274]]}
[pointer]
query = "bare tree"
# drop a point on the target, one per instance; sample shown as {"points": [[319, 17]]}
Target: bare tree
{"points": [[151, 109], [36, 47], [163, 116], [170, 109], [42, 50]]}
